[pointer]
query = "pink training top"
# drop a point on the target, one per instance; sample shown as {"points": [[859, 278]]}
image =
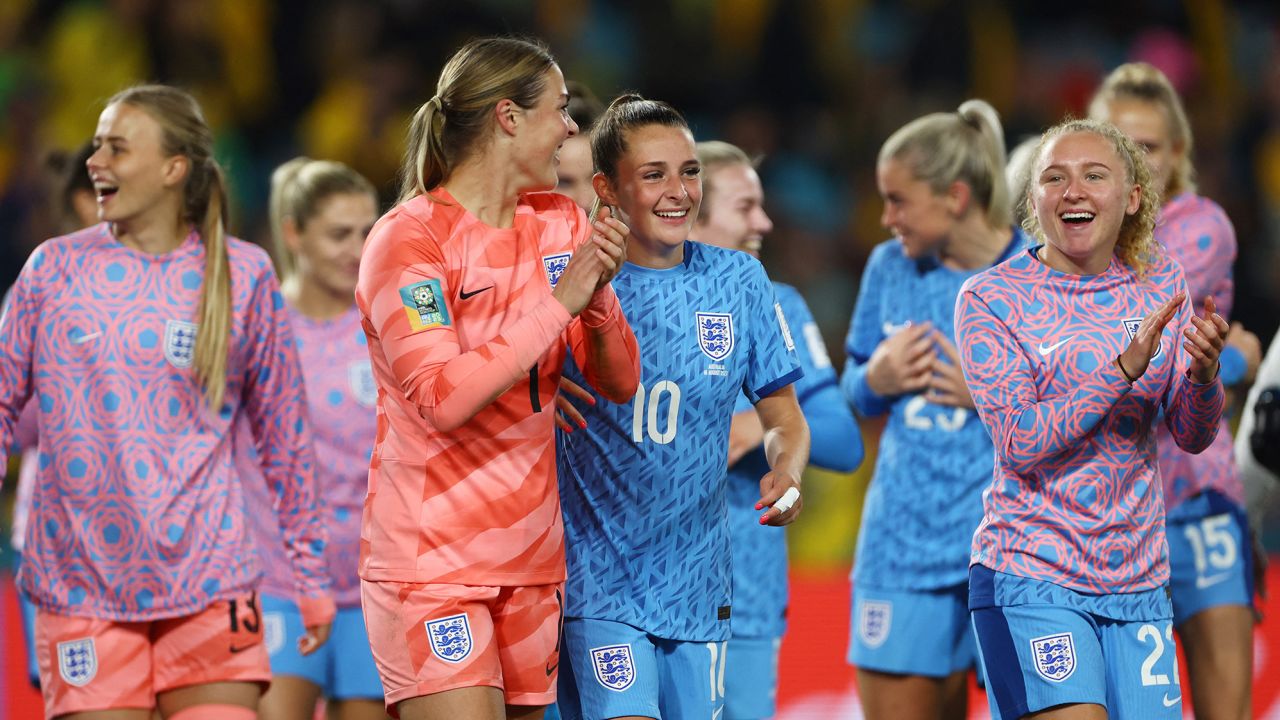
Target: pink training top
{"points": [[138, 512], [1075, 498], [468, 345], [341, 396], [1197, 234]]}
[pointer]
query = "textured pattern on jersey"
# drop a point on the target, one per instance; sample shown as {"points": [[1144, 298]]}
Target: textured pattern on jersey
{"points": [[138, 513], [760, 551], [645, 521], [341, 397], [473, 501], [1197, 234], [1075, 498], [924, 501]]}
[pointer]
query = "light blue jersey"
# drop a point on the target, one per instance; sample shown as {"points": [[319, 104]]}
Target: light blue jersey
{"points": [[934, 461], [643, 486], [760, 551]]}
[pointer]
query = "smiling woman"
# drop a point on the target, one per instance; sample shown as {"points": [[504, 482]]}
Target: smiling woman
{"points": [[1067, 585], [472, 291]]}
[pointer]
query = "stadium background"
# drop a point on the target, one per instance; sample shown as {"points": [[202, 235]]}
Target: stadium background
{"points": [[813, 85]]}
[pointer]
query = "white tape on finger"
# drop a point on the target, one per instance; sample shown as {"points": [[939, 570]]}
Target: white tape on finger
{"points": [[788, 499]]}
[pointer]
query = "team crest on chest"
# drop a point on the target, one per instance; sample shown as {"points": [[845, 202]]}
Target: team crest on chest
{"points": [[1055, 656], [555, 265], [77, 661], [179, 343], [1131, 329], [874, 622], [614, 666], [363, 387], [715, 339], [450, 637]]}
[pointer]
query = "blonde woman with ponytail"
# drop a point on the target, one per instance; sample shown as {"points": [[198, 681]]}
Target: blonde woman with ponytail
{"points": [[1211, 549], [472, 290], [143, 340], [942, 179], [321, 212]]}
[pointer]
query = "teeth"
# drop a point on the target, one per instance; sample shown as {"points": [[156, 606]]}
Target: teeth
{"points": [[1077, 216], [671, 213]]}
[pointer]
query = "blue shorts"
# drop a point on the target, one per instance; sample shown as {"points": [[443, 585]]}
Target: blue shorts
{"points": [[342, 668], [1210, 556], [610, 669], [912, 632], [751, 678], [1039, 656]]}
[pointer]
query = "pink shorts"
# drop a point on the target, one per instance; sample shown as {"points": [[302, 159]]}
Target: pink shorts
{"points": [[93, 664], [428, 638]]}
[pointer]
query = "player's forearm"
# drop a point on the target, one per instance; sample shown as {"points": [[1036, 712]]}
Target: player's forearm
{"points": [[786, 435], [1194, 413], [449, 395], [612, 353], [1042, 430]]}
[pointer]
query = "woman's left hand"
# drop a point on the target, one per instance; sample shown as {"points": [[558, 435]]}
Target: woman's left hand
{"points": [[1204, 341]]}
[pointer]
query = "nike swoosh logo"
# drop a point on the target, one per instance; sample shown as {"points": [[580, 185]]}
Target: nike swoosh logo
{"points": [[464, 294], [85, 338], [1170, 703], [552, 667], [1210, 581], [1046, 349], [890, 328], [241, 649]]}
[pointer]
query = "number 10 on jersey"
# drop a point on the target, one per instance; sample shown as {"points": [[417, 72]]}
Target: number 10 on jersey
{"points": [[644, 413]]}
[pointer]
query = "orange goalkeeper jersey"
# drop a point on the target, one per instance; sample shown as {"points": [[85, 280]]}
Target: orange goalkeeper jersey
{"points": [[467, 345]]}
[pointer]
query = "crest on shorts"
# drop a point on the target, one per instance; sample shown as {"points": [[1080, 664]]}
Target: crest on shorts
{"points": [[555, 265], [1055, 656], [613, 666], [179, 343], [874, 622], [450, 637], [424, 305], [363, 387], [1131, 329], [273, 632], [715, 334], [77, 661]]}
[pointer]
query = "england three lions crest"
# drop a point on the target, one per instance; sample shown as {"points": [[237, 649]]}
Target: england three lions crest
{"points": [[363, 387], [450, 637], [77, 661], [874, 622], [1055, 656], [555, 265], [715, 334], [1131, 328], [614, 666], [179, 343]]}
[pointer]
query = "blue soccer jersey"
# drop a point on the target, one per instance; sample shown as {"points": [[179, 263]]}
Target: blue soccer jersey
{"points": [[760, 551], [644, 486], [925, 500]]}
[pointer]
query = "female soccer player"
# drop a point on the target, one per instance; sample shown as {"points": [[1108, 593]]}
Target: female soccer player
{"points": [[320, 214], [143, 340], [1067, 355], [470, 290], [942, 178], [643, 483], [1211, 573], [733, 217]]}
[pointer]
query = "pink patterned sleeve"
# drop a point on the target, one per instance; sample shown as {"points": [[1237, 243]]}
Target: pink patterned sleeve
{"points": [[1192, 410], [1026, 430], [1208, 255], [275, 403], [18, 323]]}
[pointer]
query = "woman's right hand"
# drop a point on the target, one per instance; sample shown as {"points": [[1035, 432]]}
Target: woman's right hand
{"points": [[1146, 341], [599, 257], [903, 362]]}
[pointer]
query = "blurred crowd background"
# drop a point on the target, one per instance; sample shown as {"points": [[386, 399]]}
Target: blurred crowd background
{"points": [[814, 86]]}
